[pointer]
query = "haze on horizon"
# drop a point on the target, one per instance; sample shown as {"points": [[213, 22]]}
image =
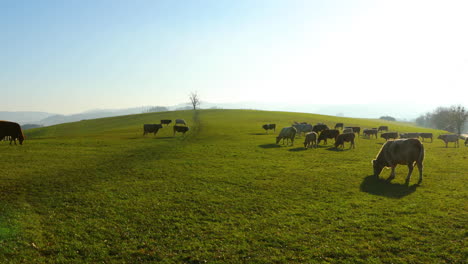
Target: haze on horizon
{"points": [[72, 56]]}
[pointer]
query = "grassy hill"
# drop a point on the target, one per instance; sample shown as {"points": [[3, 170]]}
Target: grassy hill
{"points": [[99, 191]]}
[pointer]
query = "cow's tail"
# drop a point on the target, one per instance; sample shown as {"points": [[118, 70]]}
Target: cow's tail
{"points": [[421, 155]]}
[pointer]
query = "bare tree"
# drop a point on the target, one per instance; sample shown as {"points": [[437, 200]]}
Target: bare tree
{"points": [[459, 117], [194, 100]]}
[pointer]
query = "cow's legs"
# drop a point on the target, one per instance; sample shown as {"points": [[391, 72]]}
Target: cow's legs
{"points": [[392, 173], [420, 168], [410, 171]]}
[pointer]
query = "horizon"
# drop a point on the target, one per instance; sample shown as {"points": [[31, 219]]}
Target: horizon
{"points": [[70, 57]]}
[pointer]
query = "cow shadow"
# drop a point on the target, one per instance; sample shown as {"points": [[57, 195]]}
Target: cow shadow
{"points": [[297, 149], [383, 187], [260, 134], [269, 146], [338, 149]]}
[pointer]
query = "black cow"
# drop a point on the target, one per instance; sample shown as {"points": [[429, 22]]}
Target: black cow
{"points": [[269, 127], [356, 130], [151, 128], [328, 133], [389, 135], [370, 132], [339, 125], [181, 129], [345, 137], [383, 128], [166, 121], [12, 131]]}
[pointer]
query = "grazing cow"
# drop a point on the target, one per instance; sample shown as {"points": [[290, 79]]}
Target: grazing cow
{"points": [[425, 135], [370, 132], [269, 126], [466, 142], [328, 133], [288, 133], [356, 130], [383, 128], [409, 135], [403, 152], [450, 138], [181, 129], [389, 135], [165, 122], [345, 137], [302, 128], [151, 128], [12, 131], [310, 139], [348, 130], [180, 122], [339, 125], [319, 127]]}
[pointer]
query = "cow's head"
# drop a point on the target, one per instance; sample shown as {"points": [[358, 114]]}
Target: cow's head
{"points": [[377, 168], [278, 140]]}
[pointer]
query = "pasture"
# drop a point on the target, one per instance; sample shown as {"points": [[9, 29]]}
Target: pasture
{"points": [[98, 191]]}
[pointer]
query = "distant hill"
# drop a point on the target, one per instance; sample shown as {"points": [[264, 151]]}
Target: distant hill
{"points": [[400, 112], [24, 117]]}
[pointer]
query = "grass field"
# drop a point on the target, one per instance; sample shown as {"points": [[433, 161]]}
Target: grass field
{"points": [[97, 191]]}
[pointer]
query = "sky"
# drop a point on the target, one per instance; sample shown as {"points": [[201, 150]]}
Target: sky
{"points": [[72, 56]]}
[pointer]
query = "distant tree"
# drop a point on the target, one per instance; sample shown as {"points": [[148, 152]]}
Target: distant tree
{"points": [[194, 100], [452, 119], [441, 119], [424, 120], [156, 109], [459, 117], [388, 118]]}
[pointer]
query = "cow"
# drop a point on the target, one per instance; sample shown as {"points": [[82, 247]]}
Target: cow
{"points": [[287, 133], [166, 122], [425, 135], [181, 129], [370, 132], [303, 128], [348, 130], [339, 125], [328, 133], [319, 127], [356, 130], [180, 122], [449, 138], [151, 128], [345, 137], [310, 139], [389, 135], [383, 128], [409, 135], [466, 142], [403, 152], [269, 126], [11, 130]]}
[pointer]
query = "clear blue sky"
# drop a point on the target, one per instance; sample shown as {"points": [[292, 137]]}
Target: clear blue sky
{"points": [[71, 56]]}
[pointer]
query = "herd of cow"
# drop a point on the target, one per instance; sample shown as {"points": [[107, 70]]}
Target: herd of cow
{"points": [[180, 126], [314, 134], [403, 149]]}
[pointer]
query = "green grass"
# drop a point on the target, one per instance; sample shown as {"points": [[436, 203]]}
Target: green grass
{"points": [[98, 191]]}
